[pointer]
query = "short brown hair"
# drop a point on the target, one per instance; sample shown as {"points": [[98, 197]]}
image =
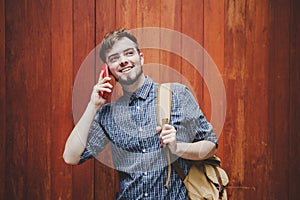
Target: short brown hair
{"points": [[111, 38]]}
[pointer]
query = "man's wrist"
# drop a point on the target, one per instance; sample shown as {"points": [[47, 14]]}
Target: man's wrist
{"points": [[179, 149], [93, 107]]}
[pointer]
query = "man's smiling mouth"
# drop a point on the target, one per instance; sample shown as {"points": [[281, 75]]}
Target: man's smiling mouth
{"points": [[126, 69]]}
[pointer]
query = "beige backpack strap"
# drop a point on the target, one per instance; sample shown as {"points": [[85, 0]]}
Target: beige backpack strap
{"points": [[164, 103]]}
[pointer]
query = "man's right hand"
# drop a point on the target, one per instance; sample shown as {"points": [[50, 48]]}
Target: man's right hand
{"points": [[103, 85]]}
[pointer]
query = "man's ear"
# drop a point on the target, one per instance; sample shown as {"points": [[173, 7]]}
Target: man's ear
{"points": [[142, 58]]}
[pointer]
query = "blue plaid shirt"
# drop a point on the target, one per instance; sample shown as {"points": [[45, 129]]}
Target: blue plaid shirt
{"points": [[129, 124]]}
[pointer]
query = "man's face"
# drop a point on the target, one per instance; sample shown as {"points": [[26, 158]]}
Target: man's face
{"points": [[124, 61]]}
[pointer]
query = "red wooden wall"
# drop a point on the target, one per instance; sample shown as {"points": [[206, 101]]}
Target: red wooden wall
{"points": [[255, 44]]}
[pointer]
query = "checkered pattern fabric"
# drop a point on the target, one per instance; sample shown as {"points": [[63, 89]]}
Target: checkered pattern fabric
{"points": [[129, 125]]}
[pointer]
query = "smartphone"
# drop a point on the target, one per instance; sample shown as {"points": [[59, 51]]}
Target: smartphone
{"points": [[105, 74]]}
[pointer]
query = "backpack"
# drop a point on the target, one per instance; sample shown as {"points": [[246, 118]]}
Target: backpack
{"points": [[206, 180]]}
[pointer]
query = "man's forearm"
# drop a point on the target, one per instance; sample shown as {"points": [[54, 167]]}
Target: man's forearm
{"points": [[77, 140], [196, 151]]}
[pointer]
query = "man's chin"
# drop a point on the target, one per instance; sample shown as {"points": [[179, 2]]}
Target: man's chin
{"points": [[130, 77], [124, 79], [127, 81]]}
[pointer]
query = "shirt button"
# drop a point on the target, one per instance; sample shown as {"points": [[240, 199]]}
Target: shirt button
{"points": [[140, 129], [144, 150], [145, 173], [138, 107], [146, 194]]}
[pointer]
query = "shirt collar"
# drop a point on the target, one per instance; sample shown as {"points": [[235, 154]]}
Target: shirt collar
{"points": [[142, 92]]}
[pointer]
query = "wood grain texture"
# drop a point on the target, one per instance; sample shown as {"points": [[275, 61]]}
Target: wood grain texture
{"points": [[255, 44], [106, 178], [16, 133], [28, 65], [148, 15], [2, 98], [235, 82], [105, 21], [257, 62], [192, 27], [126, 14], [213, 43], [83, 181], [278, 98], [294, 103], [234, 73], [37, 82], [2, 59], [170, 18], [61, 96]]}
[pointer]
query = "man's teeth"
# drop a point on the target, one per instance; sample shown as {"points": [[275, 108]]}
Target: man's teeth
{"points": [[127, 69]]}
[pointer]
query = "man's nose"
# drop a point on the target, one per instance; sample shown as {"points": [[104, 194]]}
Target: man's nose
{"points": [[123, 60]]}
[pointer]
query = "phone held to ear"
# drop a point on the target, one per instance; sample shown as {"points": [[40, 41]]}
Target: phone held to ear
{"points": [[105, 74]]}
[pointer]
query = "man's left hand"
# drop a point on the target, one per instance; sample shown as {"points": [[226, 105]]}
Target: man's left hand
{"points": [[167, 136]]}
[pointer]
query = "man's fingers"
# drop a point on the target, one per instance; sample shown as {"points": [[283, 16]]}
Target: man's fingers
{"points": [[168, 137], [168, 127], [167, 132], [101, 75], [103, 87], [102, 79], [158, 129]]}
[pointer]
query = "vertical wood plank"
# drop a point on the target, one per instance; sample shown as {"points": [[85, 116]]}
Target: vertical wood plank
{"points": [[2, 98], [170, 19], [257, 154], [193, 26], [235, 74], [105, 21], [214, 45], [83, 43], [61, 84], [28, 70], [106, 178], [126, 14], [16, 133], [37, 86], [150, 17], [294, 104], [261, 76], [278, 99]]}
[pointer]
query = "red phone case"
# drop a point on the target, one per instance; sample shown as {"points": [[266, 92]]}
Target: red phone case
{"points": [[105, 74]]}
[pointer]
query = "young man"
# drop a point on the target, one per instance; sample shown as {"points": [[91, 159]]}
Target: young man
{"points": [[130, 124]]}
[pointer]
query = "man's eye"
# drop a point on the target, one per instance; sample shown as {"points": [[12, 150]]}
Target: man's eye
{"points": [[129, 53], [113, 59]]}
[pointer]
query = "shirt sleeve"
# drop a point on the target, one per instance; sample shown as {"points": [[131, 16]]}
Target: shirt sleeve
{"points": [[96, 142], [188, 119]]}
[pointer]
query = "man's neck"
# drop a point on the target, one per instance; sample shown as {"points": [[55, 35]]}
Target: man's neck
{"points": [[136, 85]]}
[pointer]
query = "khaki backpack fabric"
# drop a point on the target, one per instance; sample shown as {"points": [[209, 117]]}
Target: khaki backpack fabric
{"points": [[206, 180]]}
